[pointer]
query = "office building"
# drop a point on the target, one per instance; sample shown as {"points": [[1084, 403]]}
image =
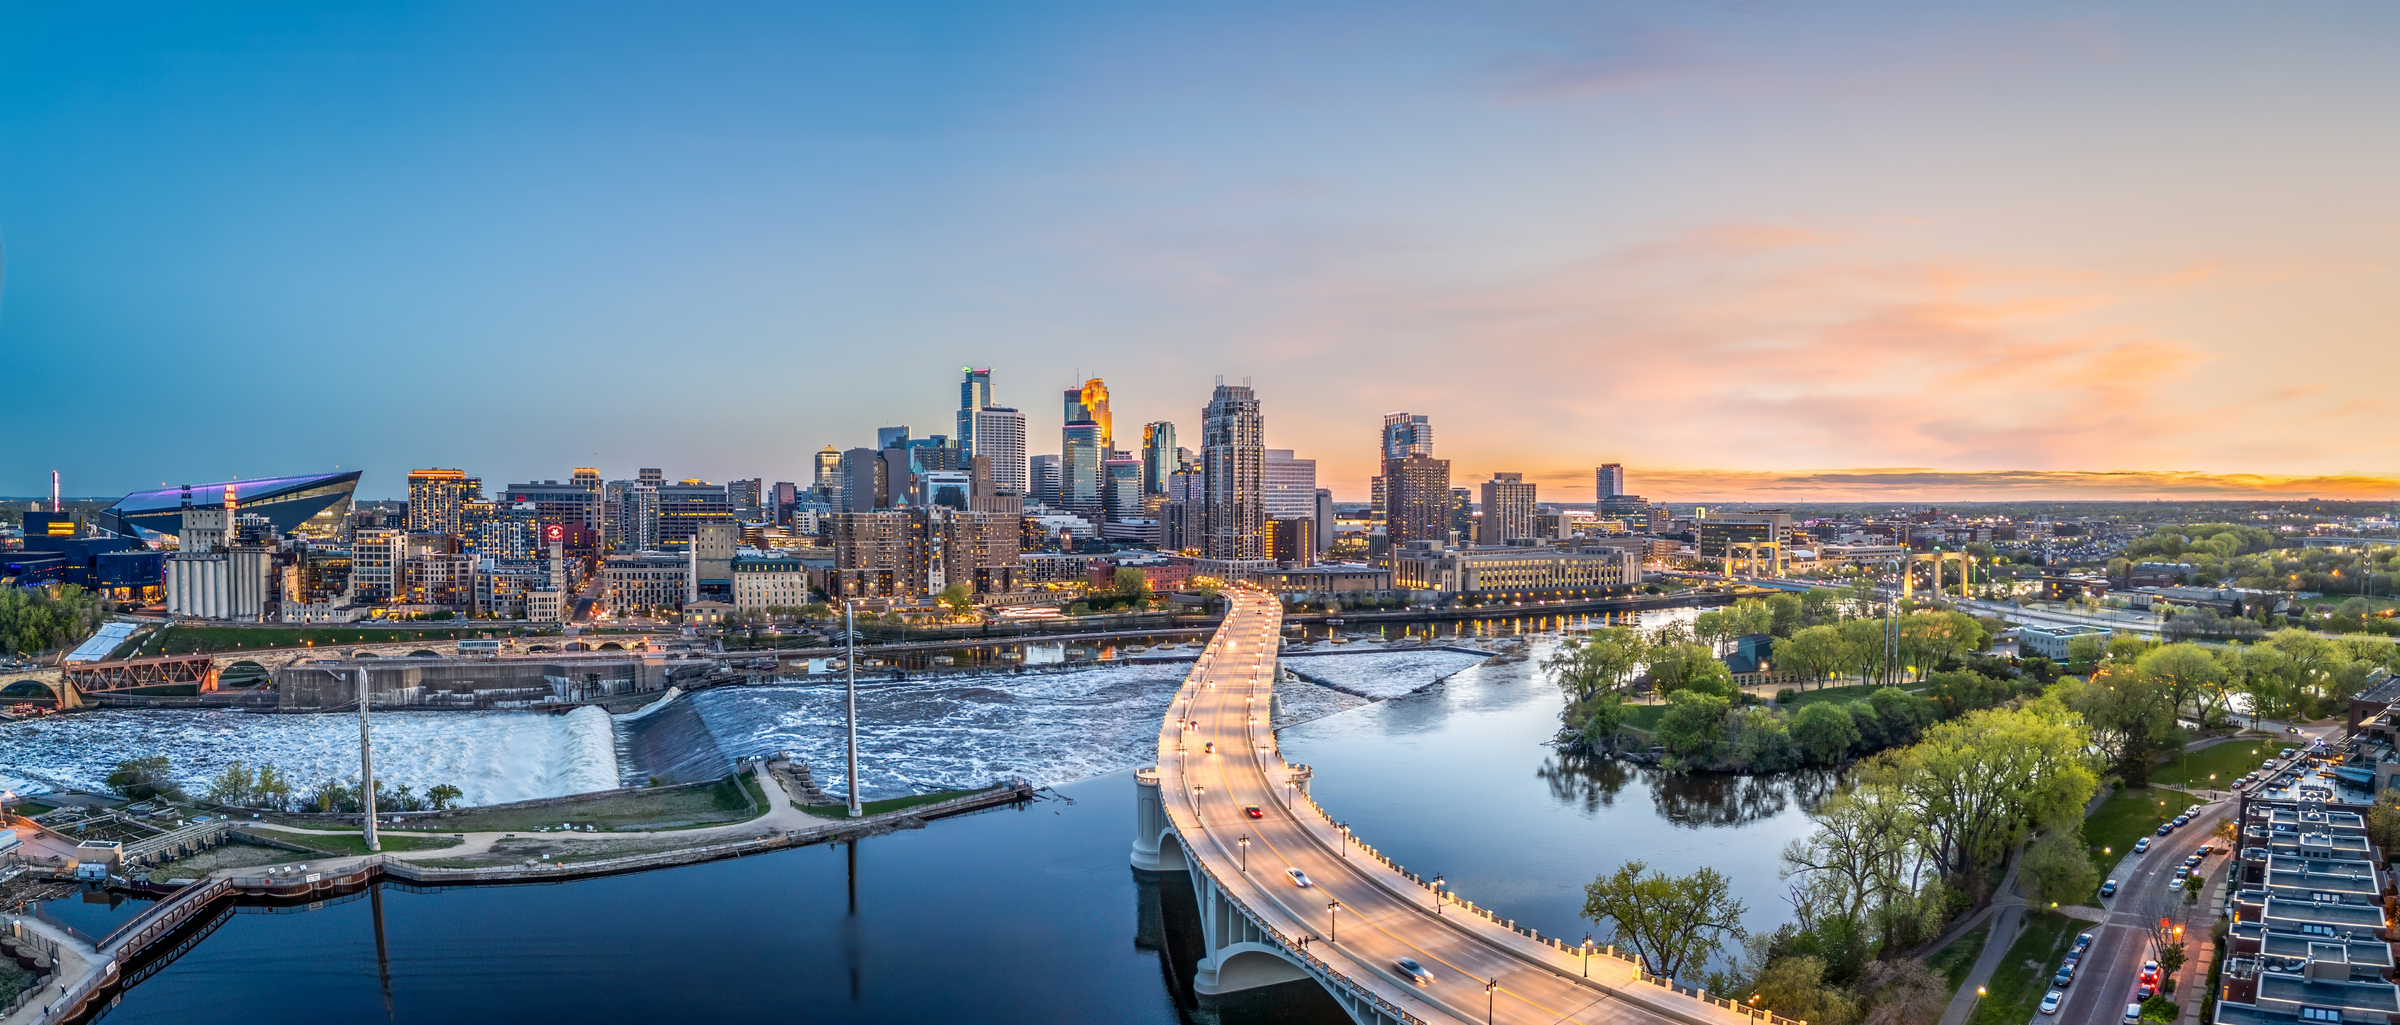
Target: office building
{"points": [[650, 475], [1608, 481], [1518, 571], [781, 499], [891, 437], [1292, 540], [953, 489], [1325, 520], [828, 480], [1508, 509], [564, 503], [685, 505], [1121, 489], [974, 394], [1233, 468], [1089, 404], [1289, 485], [434, 499], [642, 581], [1743, 542], [764, 581], [748, 498], [1158, 457], [1000, 437], [1042, 480], [1082, 446], [912, 553], [709, 577]]}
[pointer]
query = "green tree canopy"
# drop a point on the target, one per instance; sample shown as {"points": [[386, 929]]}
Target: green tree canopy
{"points": [[1824, 731], [1584, 666], [1675, 924]]}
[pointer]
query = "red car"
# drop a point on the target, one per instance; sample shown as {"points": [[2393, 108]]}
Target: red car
{"points": [[1253, 812]]}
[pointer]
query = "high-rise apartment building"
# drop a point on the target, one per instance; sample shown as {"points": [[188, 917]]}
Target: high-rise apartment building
{"points": [[1089, 404], [435, 498], [1406, 434], [1000, 437], [974, 393], [748, 497], [651, 476], [1158, 457], [587, 478], [1325, 520], [1608, 481], [563, 503], [1082, 447], [636, 527], [1043, 478], [1233, 434], [1416, 500], [1508, 508]]}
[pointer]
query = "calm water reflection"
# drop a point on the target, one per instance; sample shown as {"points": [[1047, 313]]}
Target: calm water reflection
{"points": [[1027, 915]]}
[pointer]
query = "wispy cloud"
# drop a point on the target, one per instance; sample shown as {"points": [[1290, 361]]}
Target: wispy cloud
{"points": [[1928, 485]]}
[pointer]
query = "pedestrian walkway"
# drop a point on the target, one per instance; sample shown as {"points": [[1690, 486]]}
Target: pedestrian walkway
{"points": [[2008, 919]]}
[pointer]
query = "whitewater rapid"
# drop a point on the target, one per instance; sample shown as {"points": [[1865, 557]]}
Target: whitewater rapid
{"points": [[1048, 727]]}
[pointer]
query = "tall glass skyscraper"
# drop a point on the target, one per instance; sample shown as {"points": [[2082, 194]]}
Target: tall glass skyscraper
{"points": [[1081, 452], [973, 393], [1233, 433], [1158, 457]]}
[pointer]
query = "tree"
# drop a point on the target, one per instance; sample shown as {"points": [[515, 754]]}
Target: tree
{"points": [[1601, 662], [1677, 667], [957, 599], [1824, 731], [2128, 714], [233, 786], [1979, 783], [2184, 673], [1132, 583], [1596, 721], [1694, 724], [1674, 924], [443, 796], [1794, 986], [2083, 652], [1816, 651], [2059, 869], [272, 790], [141, 779]]}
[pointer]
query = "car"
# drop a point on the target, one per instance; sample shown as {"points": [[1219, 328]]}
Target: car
{"points": [[1299, 878], [2133, 1014], [2191, 861], [2286, 752], [2205, 850], [2074, 957], [2065, 976], [2109, 888], [2051, 1000], [2181, 874], [1253, 812], [2149, 971], [1416, 972], [2146, 990], [2141, 845], [2182, 821], [2165, 828], [1209, 748], [2084, 942]]}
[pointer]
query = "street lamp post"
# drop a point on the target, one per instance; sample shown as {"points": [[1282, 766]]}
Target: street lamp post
{"points": [[1333, 922], [1437, 894], [1491, 990], [1344, 829], [1587, 955], [1977, 1005], [1245, 845]]}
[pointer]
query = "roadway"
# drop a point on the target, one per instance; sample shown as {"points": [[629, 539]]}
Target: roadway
{"points": [[2105, 982], [1379, 914]]}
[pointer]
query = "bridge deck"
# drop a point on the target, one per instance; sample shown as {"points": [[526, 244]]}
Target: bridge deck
{"points": [[1384, 913]]}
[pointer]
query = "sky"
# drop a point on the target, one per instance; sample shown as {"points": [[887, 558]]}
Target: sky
{"points": [[1750, 250]]}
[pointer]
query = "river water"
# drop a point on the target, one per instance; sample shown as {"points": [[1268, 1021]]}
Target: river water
{"points": [[1016, 915]]}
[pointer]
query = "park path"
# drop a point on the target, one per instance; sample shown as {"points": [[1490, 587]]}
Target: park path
{"points": [[2007, 914]]}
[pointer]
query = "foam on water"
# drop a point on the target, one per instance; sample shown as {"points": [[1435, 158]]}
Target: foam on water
{"points": [[963, 731], [492, 757], [1382, 674]]}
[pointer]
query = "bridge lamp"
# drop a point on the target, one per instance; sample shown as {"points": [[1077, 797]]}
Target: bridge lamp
{"points": [[1332, 921], [1245, 845], [1344, 829], [1587, 960], [1437, 894], [1491, 990]]}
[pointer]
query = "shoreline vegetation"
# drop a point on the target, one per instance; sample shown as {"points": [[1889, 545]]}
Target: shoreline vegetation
{"points": [[1976, 763]]}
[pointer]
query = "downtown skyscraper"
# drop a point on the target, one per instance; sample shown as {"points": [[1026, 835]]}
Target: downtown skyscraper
{"points": [[1416, 486], [1233, 451]]}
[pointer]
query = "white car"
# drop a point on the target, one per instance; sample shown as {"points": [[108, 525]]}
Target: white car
{"points": [[1416, 972], [1299, 878], [2050, 1002]]}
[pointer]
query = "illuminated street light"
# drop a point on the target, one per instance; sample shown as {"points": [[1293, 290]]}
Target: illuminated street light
{"points": [[1245, 845], [1437, 894]]}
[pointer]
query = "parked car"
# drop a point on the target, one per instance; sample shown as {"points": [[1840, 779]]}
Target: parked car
{"points": [[2141, 845], [2181, 874], [2165, 828], [2149, 971], [2182, 821], [2065, 976], [2051, 1000], [2133, 1014], [2109, 888], [2084, 942]]}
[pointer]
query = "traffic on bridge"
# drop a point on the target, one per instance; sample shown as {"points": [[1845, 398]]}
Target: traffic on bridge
{"points": [[1287, 893]]}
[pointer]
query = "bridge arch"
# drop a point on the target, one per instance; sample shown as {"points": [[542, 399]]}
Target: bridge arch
{"points": [[243, 673], [424, 653], [1249, 966], [611, 646], [21, 690]]}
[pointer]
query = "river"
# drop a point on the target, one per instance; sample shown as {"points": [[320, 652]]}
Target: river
{"points": [[1027, 914]]}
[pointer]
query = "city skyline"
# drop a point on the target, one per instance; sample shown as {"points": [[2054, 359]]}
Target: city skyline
{"points": [[1921, 239]]}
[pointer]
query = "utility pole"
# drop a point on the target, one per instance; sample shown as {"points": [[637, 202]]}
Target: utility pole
{"points": [[366, 763], [850, 667]]}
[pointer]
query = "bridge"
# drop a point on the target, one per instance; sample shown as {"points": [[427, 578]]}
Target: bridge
{"points": [[1217, 758]]}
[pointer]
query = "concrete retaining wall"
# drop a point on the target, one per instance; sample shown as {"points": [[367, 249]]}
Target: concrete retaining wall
{"points": [[463, 683]]}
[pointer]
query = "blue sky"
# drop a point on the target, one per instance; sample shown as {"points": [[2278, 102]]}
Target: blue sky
{"points": [[1757, 237]]}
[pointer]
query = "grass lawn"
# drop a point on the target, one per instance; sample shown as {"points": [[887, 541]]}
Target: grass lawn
{"points": [[1850, 692], [1953, 962], [2228, 760], [2130, 815], [352, 843], [2024, 973], [1644, 717], [838, 811], [639, 810]]}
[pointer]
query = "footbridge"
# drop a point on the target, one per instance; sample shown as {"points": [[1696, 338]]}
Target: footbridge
{"points": [[1360, 913]]}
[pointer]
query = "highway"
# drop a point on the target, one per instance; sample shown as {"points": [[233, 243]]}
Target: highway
{"points": [[1218, 758]]}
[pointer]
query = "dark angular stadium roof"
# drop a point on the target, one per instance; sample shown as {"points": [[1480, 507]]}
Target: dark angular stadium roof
{"points": [[287, 502]]}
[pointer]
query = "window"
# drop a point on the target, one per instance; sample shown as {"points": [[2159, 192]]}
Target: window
{"points": [[2320, 1014]]}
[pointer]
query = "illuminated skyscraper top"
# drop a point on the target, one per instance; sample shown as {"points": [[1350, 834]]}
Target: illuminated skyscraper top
{"points": [[1089, 404], [1406, 435]]}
